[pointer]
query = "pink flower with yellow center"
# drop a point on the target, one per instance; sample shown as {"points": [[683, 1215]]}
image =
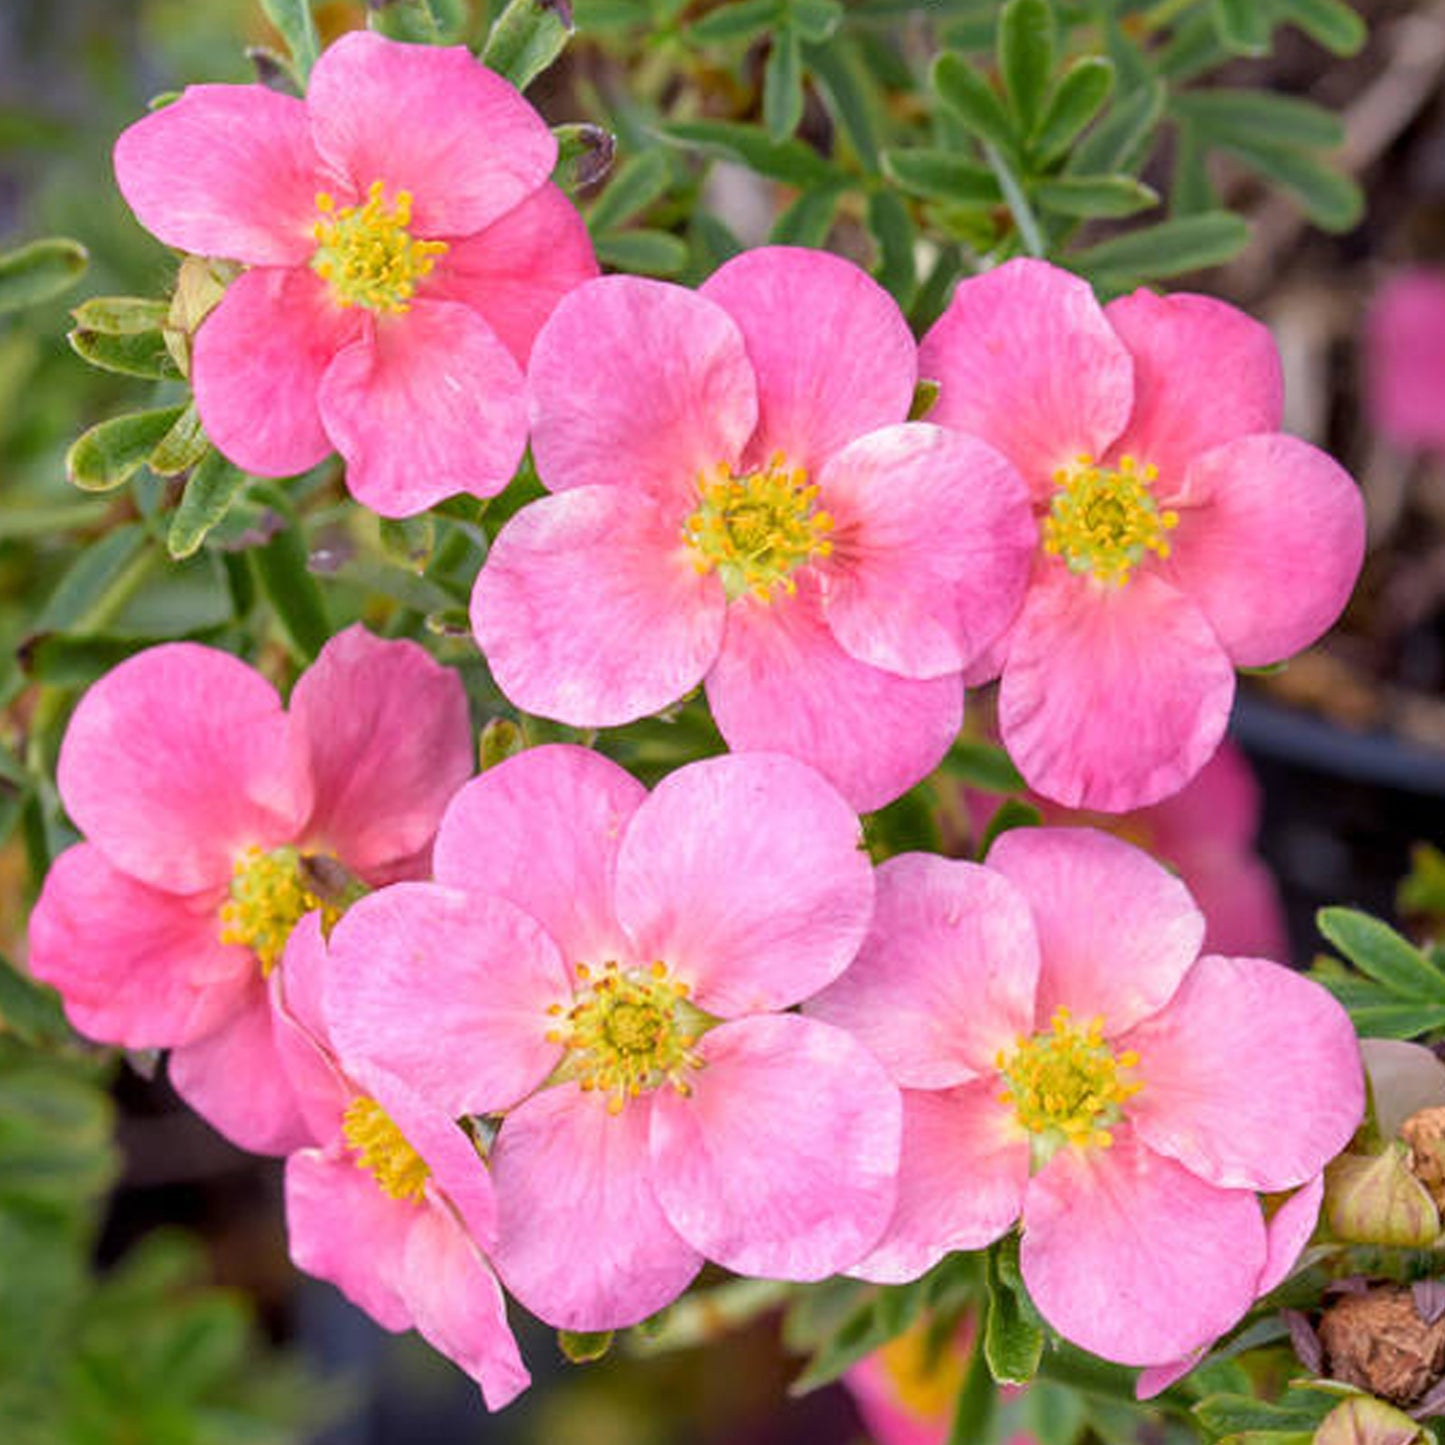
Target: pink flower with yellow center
{"points": [[1181, 534], [215, 818], [741, 502], [610, 969], [403, 245], [1067, 1057]]}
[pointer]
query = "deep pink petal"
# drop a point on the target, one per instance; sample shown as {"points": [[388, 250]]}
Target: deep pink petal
{"points": [[542, 830], [1134, 1258], [1251, 1075], [782, 1160], [1268, 545], [932, 547], [783, 684], [590, 610], [947, 975], [1117, 931], [1405, 358], [584, 1243], [638, 384], [1220, 809], [1288, 1231], [745, 874], [226, 170], [1240, 900], [1112, 697], [429, 404], [431, 121], [961, 1180], [833, 356], [176, 761], [1027, 362]]}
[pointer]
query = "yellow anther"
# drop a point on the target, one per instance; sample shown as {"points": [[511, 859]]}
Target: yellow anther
{"points": [[382, 1150], [367, 253], [269, 896], [1104, 521]]}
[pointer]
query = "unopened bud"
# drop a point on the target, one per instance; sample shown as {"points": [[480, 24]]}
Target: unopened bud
{"points": [[1424, 1132], [501, 739], [200, 284], [1363, 1421], [1379, 1341], [1376, 1199]]}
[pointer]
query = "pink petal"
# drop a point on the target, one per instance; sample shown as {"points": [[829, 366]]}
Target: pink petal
{"points": [[1239, 898], [833, 356], [1219, 810], [1155, 1379], [782, 1161], [1251, 1075], [1405, 358], [1027, 362], [516, 270], [448, 992], [638, 384], [258, 362], [1112, 697], [1288, 1231], [1117, 931], [583, 1243], [388, 740], [947, 975], [226, 170], [432, 121], [783, 684], [1404, 1078], [933, 542], [1278, 504], [176, 761], [542, 830], [647, 632], [961, 1180], [429, 404], [1135, 1259], [303, 1041]]}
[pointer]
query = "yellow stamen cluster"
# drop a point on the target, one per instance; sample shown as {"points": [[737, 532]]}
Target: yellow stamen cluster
{"points": [[269, 897], [1104, 520], [628, 1032], [925, 1366], [756, 530], [1067, 1086], [381, 1149], [367, 253]]}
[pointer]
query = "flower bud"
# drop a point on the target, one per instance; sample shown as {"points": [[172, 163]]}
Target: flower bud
{"points": [[200, 284], [1379, 1341], [1363, 1421], [1375, 1199]]}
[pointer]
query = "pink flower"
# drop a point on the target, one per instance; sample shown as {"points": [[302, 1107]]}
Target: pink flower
{"points": [[610, 968], [1067, 1057], [907, 1390], [403, 246], [1181, 534], [741, 502], [1405, 359], [390, 1202], [211, 815]]}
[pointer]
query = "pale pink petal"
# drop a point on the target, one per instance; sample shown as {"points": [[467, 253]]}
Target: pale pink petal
{"points": [[542, 830], [1204, 373], [516, 270], [932, 546], [781, 1161], [387, 739], [590, 609], [1026, 361], [1251, 1075], [1288, 1231], [745, 874], [1112, 697], [584, 1243], [431, 121], [258, 362], [833, 356], [1269, 544], [176, 761], [947, 975], [303, 1041], [1405, 359], [961, 1180], [226, 170], [1117, 931], [1135, 1259], [783, 684], [638, 384], [428, 404], [1404, 1078], [1155, 1379], [447, 991]]}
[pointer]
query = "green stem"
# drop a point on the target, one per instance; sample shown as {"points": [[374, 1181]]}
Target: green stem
{"points": [[1164, 14]]}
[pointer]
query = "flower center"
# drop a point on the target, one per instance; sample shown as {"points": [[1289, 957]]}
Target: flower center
{"points": [[270, 895], [1066, 1086], [628, 1032], [925, 1368], [366, 252], [381, 1149], [754, 531], [1103, 520]]}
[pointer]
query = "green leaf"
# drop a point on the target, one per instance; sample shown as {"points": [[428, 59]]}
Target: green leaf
{"points": [[181, 447], [1330, 23], [790, 161], [411, 21], [1030, 232], [736, 22], [527, 37], [288, 586], [112, 452], [72, 659], [1013, 1337], [582, 1347], [409, 541], [815, 20], [584, 155], [121, 315], [783, 85], [943, 176], [1243, 26], [30, 1009], [637, 183], [713, 242], [651, 253], [1026, 56], [136, 353], [1225, 1414], [983, 765], [1076, 100], [1423, 889], [36, 272], [925, 398], [973, 101], [212, 488], [1394, 1020], [1090, 196], [1377, 950], [1281, 119], [1010, 814], [1191, 192], [888, 221], [501, 738], [294, 20], [848, 99], [1168, 249], [808, 220], [1331, 199], [82, 592], [1121, 139]]}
